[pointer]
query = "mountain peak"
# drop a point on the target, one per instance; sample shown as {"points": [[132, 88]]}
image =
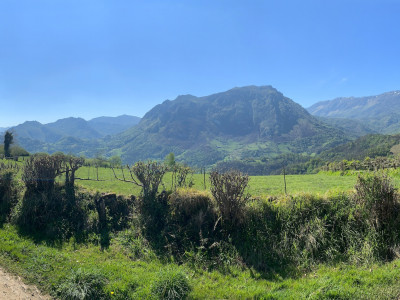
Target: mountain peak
{"points": [[381, 113], [193, 127]]}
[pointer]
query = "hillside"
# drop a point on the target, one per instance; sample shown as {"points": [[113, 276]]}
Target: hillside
{"points": [[371, 145], [70, 135], [242, 122], [380, 113], [113, 125], [354, 128]]}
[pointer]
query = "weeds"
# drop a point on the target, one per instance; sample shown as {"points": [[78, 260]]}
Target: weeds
{"points": [[83, 285], [171, 284]]}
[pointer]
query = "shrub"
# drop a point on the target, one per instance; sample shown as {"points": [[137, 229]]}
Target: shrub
{"points": [[191, 218], [153, 208], [378, 207], [377, 195], [314, 229], [259, 238], [171, 284], [181, 176], [42, 213], [114, 211], [40, 172], [47, 207], [8, 193], [150, 175], [82, 285], [228, 190]]}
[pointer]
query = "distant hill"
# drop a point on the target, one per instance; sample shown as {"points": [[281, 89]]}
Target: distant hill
{"points": [[74, 127], [113, 125], [354, 128], [379, 113], [70, 135], [242, 122], [35, 131], [3, 129]]}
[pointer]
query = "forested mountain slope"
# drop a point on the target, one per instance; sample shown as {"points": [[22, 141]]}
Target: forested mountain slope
{"points": [[380, 113], [242, 122]]}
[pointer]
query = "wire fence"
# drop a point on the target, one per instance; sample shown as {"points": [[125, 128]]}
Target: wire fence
{"points": [[93, 172]]}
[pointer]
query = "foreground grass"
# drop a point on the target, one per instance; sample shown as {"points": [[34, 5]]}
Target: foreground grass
{"points": [[48, 266]]}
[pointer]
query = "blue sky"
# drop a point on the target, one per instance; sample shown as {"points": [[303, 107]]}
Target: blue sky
{"points": [[89, 58]]}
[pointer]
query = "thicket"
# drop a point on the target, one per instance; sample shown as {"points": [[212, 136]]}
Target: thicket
{"points": [[51, 208], [368, 164]]}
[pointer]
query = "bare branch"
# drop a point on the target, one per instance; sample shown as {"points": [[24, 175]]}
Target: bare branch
{"points": [[124, 180]]}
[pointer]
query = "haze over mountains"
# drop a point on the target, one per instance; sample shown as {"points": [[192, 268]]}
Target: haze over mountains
{"points": [[252, 121], [3, 129]]}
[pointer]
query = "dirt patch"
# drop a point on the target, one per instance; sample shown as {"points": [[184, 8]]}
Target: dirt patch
{"points": [[12, 288]]}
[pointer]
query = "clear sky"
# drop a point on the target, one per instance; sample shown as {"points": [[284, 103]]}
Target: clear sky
{"points": [[90, 58]]}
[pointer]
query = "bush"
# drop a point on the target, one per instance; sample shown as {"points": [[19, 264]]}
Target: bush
{"points": [[150, 175], [378, 208], [114, 211], [377, 195], [40, 172], [315, 229], [181, 176], [8, 193], [191, 218], [153, 208], [259, 238], [41, 213], [82, 285], [228, 190], [47, 207], [171, 284]]}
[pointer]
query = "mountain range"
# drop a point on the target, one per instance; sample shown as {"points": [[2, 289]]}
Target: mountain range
{"points": [[242, 122], [379, 114], [70, 135], [246, 123]]}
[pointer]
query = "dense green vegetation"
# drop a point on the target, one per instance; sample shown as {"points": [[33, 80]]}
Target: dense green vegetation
{"points": [[15, 151], [367, 146], [169, 239], [370, 152]]}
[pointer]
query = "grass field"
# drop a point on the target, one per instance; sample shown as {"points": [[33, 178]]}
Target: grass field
{"points": [[259, 186]]}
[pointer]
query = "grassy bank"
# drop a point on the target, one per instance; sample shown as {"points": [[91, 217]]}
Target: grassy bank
{"points": [[128, 278]]}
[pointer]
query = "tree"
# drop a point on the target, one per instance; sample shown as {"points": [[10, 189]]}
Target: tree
{"points": [[115, 161], [8, 140], [170, 160]]}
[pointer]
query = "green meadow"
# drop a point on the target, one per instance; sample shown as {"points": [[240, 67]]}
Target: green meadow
{"points": [[259, 186]]}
